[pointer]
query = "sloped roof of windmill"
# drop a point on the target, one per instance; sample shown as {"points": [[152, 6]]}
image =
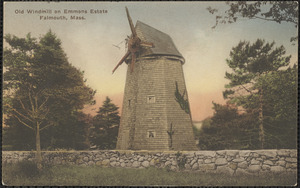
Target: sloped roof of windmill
{"points": [[163, 43]]}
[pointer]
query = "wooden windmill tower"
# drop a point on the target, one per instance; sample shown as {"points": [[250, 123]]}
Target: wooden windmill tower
{"points": [[155, 114]]}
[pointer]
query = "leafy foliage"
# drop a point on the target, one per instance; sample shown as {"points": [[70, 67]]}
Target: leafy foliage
{"points": [[70, 134], [181, 160], [276, 11], [250, 65], [262, 101], [280, 108], [184, 103], [228, 129], [41, 88], [249, 62], [106, 126]]}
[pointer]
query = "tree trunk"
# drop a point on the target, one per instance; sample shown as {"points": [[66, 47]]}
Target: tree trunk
{"points": [[261, 120], [38, 147]]}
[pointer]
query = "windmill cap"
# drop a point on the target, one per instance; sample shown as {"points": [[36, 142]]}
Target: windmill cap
{"points": [[163, 43]]}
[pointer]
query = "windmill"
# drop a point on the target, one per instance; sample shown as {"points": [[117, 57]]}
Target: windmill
{"points": [[155, 113], [135, 44]]}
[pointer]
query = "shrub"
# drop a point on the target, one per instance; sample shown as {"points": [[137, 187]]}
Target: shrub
{"points": [[27, 169], [181, 160]]}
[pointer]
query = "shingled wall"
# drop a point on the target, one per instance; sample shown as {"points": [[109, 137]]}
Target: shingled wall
{"points": [[155, 77], [234, 162]]}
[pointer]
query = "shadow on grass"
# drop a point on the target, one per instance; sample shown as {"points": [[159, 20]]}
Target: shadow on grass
{"points": [[26, 174]]}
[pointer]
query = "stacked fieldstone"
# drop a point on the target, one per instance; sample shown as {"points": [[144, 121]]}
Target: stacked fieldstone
{"points": [[244, 162], [234, 162]]}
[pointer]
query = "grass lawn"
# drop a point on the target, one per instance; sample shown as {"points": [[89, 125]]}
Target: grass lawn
{"points": [[26, 175]]}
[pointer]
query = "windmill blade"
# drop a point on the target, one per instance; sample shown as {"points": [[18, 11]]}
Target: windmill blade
{"points": [[130, 23], [121, 61], [132, 61], [117, 46], [147, 44]]}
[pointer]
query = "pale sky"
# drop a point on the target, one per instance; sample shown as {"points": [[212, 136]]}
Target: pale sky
{"points": [[89, 43]]}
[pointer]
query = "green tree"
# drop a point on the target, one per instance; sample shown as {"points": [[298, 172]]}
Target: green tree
{"points": [[280, 108], [275, 11], [228, 129], [106, 126], [41, 88], [70, 134], [17, 136], [250, 63]]}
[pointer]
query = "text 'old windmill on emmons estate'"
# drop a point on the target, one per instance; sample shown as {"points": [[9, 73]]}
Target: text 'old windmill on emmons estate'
{"points": [[156, 113]]}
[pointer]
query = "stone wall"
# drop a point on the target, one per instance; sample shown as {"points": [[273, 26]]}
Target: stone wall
{"points": [[234, 162]]}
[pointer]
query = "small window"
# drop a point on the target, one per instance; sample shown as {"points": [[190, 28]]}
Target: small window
{"points": [[151, 134], [129, 102], [150, 99]]}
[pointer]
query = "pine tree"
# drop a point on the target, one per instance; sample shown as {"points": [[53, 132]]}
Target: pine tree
{"points": [[250, 63], [106, 126]]}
